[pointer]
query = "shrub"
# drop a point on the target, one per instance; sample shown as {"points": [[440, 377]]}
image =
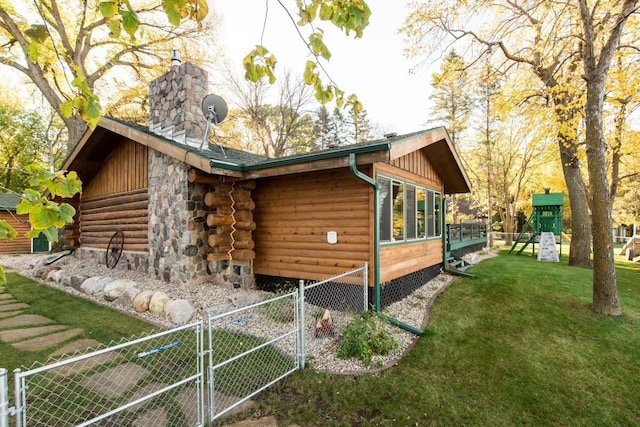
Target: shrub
{"points": [[365, 337]]}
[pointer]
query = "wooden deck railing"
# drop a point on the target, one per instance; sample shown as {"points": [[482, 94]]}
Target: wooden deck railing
{"points": [[463, 235]]}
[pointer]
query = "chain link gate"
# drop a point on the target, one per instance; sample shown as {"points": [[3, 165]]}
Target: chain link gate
{"points": [[156, 379]]}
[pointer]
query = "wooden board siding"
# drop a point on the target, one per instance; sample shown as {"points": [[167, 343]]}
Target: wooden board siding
{"points": [[100, 217], [124, 170], [19, 244], [293, 215], [400, 260], [415, 167]]}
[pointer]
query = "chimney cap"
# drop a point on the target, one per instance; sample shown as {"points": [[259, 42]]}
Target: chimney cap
{"points": [[176, 57]]}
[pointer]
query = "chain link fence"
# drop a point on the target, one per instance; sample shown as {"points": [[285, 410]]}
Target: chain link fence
{"points": [[329, 305], [153, 380], [184, 377], [250, 349]]}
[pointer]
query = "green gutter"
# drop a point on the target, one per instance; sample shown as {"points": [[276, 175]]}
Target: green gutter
{"points": [[376, 248]]}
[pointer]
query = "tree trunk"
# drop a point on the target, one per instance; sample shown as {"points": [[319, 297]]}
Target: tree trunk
{"points": [[605, 291], [580, 247]]}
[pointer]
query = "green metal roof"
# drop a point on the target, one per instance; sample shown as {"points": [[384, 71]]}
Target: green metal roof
{"points": [[551, 199], [9, 201]]}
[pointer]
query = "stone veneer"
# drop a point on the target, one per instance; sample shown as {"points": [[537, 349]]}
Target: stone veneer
{"points": [[178, 231], [175, 103], [177, 238]]}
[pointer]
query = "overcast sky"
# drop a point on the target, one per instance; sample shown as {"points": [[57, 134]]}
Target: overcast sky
{"points": [[373, 67]]}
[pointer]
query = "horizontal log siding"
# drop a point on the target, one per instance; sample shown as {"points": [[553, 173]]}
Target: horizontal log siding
{"points": [[293, 215], [124, 170], [19, 244], [402, 259], [100, 217]]}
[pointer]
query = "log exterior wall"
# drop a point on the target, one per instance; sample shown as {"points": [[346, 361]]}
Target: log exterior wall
{"points": [[293, 215], [19, 244], [116, 199], [399, 260]]}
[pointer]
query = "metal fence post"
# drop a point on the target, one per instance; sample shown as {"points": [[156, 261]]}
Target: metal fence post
{"points": [[301, 325], [21, 418], [4, 398], [365, 285]]}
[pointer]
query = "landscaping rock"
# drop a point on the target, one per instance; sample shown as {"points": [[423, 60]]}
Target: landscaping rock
{"points": [[47, 270], [127, 298], [37, 272], [220, 309], [95, 285], [243, 299], [66, 281], [55, 276], [115, 289], [178, 311], [142, 300], [77, 280], [157, 303]]}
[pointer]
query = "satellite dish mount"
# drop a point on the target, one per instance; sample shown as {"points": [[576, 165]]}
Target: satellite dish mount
{"points": [[215, 110]]}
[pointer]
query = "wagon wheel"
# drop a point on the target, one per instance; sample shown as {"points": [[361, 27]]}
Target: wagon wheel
{"points": [[114, 249]]}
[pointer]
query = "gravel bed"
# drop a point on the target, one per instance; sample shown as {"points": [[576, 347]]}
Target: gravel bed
{"points": [[321, 350]]}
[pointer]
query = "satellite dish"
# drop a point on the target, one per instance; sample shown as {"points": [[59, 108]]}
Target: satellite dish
{"points": [[214, 108]]}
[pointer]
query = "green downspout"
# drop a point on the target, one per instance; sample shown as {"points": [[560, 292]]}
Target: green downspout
{"points": [[376, 248]]}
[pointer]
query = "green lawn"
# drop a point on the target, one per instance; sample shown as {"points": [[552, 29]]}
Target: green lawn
{"points": [[99, 322], [517, 345]]}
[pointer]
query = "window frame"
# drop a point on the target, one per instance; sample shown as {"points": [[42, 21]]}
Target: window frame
{"points": [[389, 229]]}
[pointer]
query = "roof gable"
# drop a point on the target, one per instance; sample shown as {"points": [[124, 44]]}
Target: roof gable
{"points": [[435, 144]]}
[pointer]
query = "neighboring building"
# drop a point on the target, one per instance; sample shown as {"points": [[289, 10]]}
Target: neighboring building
{"points": [[19, 244], [225, 215]]}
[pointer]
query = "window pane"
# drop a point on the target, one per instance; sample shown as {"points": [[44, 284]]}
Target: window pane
{"points": [[422, 195], [436, 214], [398, 211], [411, 212], [385, 209], [430, 216]]}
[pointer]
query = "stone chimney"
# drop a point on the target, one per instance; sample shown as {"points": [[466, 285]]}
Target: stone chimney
{"points": [[175, 102]]}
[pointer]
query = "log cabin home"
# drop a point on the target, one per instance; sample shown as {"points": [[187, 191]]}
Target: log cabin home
{"points": [[221, 215], [19, 244]]}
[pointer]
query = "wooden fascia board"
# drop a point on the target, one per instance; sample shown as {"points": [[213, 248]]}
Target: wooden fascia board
{"points": [[76, 150], [318, 165], [402, 148]]}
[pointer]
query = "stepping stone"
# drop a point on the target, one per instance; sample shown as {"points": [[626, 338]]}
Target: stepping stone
{"points": [[115, 382], [24, 320], [47, 341], [12, 335], [5, 314], [154, 418], [88, 364], [76, 346], [142, 392], [11, 307], [2, 288], [269, 421], [4, 296]]}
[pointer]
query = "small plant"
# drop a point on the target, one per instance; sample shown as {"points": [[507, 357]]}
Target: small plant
{"points": [[363, 338]]}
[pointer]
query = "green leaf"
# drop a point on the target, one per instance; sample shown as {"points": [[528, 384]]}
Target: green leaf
{"points": [[173, 10], [114, 27], [42, 216], [130, 21], [318, 47], [7, 231], [37, 32], [67, 212], [33, 51], [51, 234], [3, 278], [66, 108], [108, 8]]}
